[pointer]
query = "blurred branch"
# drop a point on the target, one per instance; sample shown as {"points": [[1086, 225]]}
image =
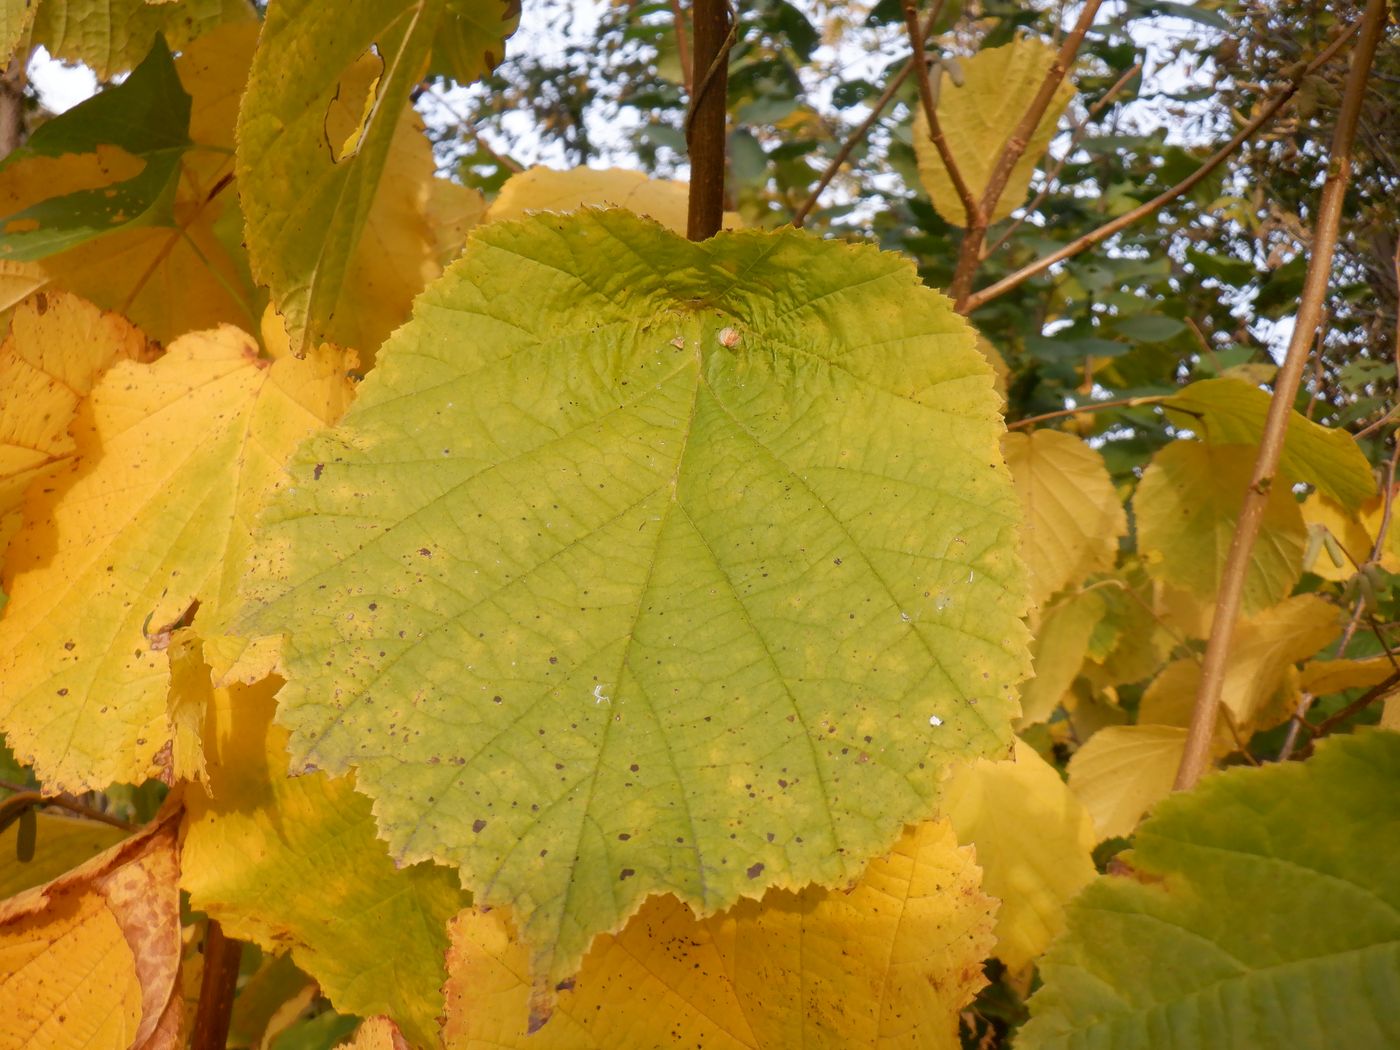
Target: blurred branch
{"points": [[683, 46], [12, 105], [1195, 758]]}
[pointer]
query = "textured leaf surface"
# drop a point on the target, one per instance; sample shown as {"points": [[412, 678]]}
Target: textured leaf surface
{"points": [[888, 963], [659, 588], [1174, 958], [150, 514], [111, 36], [90, 959], [1229, 411], [1034, 845], [1187, 504], [186, 272], [1073, 515], [545, 189], [978, 117], [292, 863], [307, 206], [56, 348], [1122, 771]]}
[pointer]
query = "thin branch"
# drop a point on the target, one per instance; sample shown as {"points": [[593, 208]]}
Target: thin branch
{"points": [[683, 46], [1091, 406], [216, 989], [971, 208], [715, 28], [27, 799], [970, 253], [1196, 755], [980, 298], [1075, 138], [1376, 692]]}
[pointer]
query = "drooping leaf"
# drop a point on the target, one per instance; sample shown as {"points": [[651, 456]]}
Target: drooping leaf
{"points": [[90, 960], [292, 863], [62, 843], [1034, 845], [1074, 517], [978, 116], [546, 189], [150, 515], [1122, 771], [307, 205], [111, 36], [185, 272], [888, 963], [658, 589], [1229, 411], [1058, 651], [56, 348], [147, 116], [1187, 505], [1322, 677], [1264, 912]]}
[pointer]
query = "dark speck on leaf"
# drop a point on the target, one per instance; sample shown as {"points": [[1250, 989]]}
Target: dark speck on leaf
{"points": [[477, 825], [755, 871], [316, 472], [425, 552], [627, 873]]}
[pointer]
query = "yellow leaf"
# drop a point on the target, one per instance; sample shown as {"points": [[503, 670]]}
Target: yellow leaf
{"points": [[186, 705], [1122, 771], [889, 962], [153, 512], [61, 843], [1321, 511], [1073, 519], [1187, 504], [1140, 639], [1034, 843], [168, 280], [1372, 514], [56, 348], [1264, 650], [293, 864], [91, 959], [1324, 677], [545, 189], [1058, 652], [376, 1033], [978, 117], [1000, 373]]}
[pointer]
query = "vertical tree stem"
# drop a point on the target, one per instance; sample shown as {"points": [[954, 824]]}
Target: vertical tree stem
{"points": [[12, 106], [1196, 756], [221, 955], [712, 36]]}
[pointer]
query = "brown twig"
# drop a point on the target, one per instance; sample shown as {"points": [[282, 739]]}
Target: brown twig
{"points": [[216, 989], [27, 799], [980, 298], [683, 46], [12, 104], [1091, 406], [1075, 138], [715, 28], [971, 208], [1376, 692], [970, 250], [1196, 755]]}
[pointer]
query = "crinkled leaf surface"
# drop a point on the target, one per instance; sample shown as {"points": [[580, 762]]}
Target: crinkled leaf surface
{"points": [[1265, 912], [1122, 771], [306, 204], [978, 116], [888, 963], [1229, 411], [90, 960], [112, 36], [181, 270], [546, 189], [56, 348], [151, 513], [1186, 506], [1074, 517], [292, 863], [632, 570], [1034, 845]]}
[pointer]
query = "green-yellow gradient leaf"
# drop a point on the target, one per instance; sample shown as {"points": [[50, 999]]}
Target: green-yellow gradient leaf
{"points": [[978, 116], [1074, 518], [644, 566], [292, 863], [112, 36], [1186, 506], [146, 523], [1265, 912], [1229, 411], [307, 193]]}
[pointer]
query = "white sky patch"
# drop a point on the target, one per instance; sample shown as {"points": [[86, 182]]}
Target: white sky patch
{"points": [[59, 85]]}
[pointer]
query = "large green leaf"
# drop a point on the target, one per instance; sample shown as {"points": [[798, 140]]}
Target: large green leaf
{"points": [[148, 116], [1229, 411], [307, 194], [1265, 912], [642, 565]]}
